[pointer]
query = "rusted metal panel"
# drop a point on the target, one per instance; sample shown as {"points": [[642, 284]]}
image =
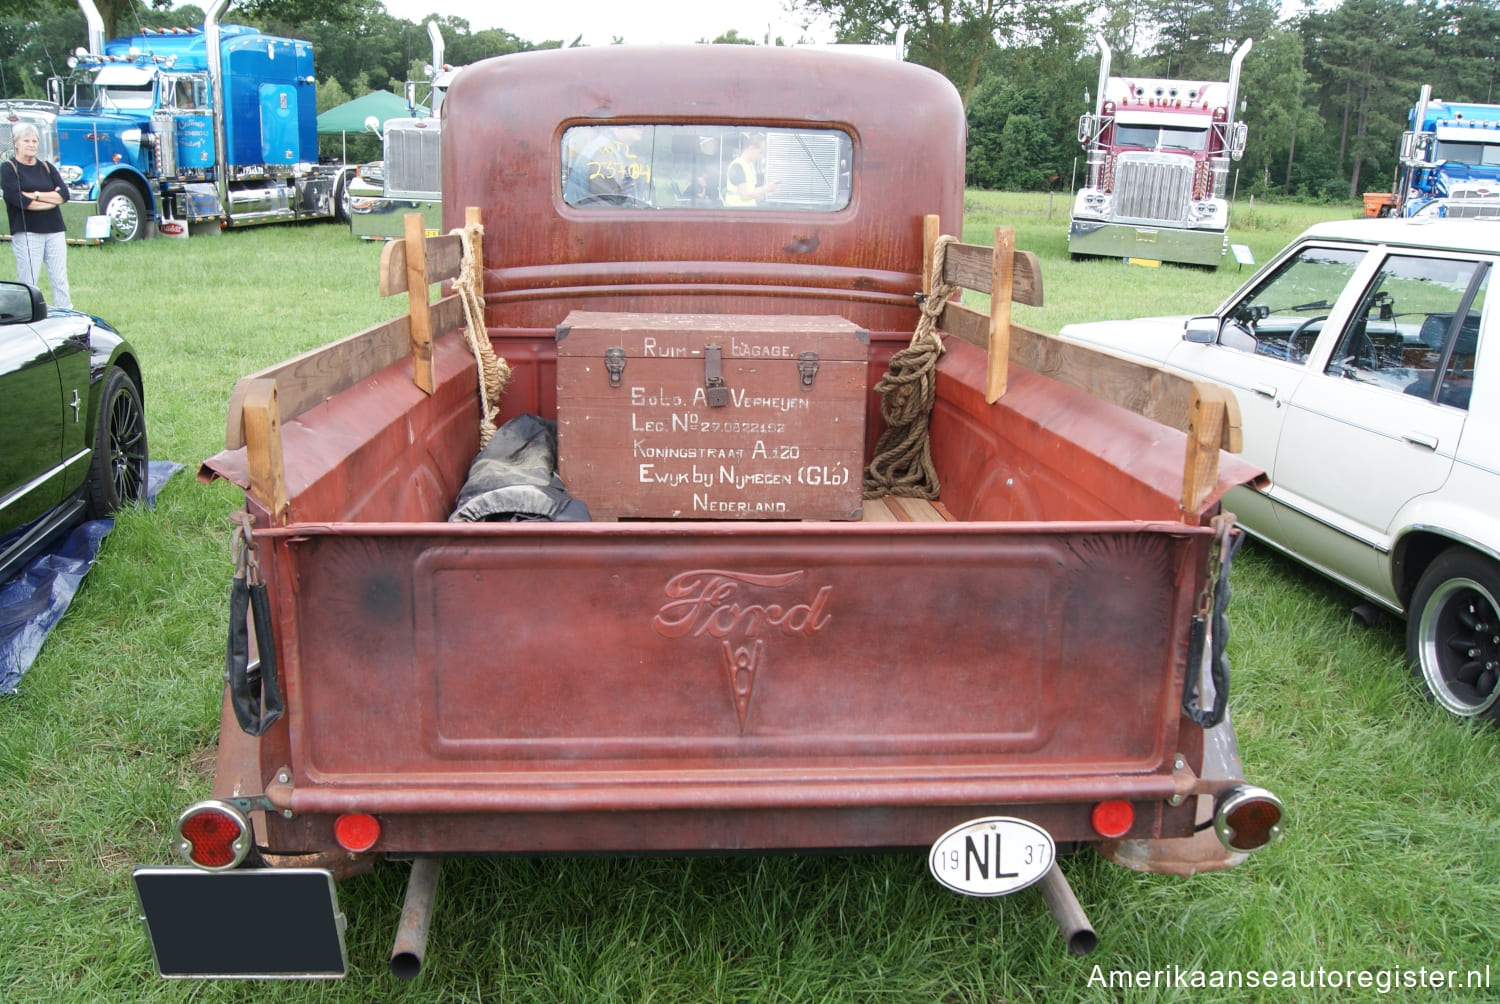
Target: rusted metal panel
{"points": [[710, 416], [860, 262], [651, 666], [721, 830]]}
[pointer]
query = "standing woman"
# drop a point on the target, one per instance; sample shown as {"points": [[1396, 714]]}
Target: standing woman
{"points": [[33, 192]]}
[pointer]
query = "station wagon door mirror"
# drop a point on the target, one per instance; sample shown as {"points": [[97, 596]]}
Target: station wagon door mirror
{"points": [[1201, 330], [20, 303]]}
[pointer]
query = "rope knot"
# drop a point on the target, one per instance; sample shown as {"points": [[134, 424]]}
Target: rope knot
{"points": [[494, 373], [903, 455]]}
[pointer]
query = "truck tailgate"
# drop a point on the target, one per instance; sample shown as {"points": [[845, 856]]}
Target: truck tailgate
{"points": [[660, 665]]}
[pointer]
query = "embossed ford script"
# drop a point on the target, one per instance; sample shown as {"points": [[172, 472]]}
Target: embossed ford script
{"points": [[729, 606]]}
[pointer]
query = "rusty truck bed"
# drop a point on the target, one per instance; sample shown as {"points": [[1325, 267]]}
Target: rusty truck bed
{"points": [[822, 684]]}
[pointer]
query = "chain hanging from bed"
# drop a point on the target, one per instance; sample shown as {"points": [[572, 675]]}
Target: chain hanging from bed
{"points": [[494, 372], [903, 457]]}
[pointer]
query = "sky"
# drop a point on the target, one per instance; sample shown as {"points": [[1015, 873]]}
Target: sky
{"points": [[600, 21]]}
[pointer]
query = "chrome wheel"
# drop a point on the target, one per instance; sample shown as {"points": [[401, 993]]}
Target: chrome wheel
{"points": [[127, 216], [1453, 634]]}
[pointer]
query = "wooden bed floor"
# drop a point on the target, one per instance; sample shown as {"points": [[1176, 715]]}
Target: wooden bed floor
{"points": [[892, 509]]}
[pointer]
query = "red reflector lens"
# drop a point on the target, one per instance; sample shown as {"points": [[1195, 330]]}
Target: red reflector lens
{"points": [[356, 831], [1253, 824], [1113, 819], [211, 835]]}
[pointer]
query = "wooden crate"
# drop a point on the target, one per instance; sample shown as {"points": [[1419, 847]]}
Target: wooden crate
{"points": [[710, 416]]}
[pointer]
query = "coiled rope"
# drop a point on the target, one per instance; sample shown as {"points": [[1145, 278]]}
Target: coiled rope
{"points": [[903, 455], [494, 372]]}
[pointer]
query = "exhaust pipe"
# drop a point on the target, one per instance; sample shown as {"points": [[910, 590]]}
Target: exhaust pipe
{"points": [[416, 918], [1234, 80], [434, 96], [211, 41], [1071, 919], [1105, 57], [94, 26], [435, 35]]}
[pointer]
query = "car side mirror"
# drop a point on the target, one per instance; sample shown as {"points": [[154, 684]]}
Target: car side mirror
{"points": [[20, 303], [1201, 330]]}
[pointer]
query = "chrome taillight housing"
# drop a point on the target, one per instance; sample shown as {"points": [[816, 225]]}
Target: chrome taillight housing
{"points": [[1247, 818], [214, 835]]}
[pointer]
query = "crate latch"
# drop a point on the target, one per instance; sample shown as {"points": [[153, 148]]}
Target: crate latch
{"points": [[807, 365], [614, 365], [713, 377]]}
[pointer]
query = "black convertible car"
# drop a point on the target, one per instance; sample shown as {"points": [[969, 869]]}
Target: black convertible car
{"points": [[72, 422]]}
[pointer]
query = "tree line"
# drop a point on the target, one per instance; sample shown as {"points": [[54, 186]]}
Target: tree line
{"points": [[1326, 87]]}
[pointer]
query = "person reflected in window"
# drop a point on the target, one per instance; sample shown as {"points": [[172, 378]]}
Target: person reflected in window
{"points": [[704, 188], [742, 184]]}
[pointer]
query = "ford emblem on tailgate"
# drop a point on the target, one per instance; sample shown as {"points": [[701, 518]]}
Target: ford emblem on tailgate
{"points": [[993, 856]]}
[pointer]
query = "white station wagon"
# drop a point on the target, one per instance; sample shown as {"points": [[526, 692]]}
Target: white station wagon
{"points": [[1358, 356]]}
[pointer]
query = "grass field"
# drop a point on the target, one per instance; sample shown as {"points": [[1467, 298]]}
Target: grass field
{"points": [[1391, 864]]}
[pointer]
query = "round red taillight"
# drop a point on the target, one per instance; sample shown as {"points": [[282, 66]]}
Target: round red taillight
{"points": [[215, 835], [356, 831], [1113, 819], [1248, 818]]}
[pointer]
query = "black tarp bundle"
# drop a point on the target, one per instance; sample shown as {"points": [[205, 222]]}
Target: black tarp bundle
{"points": [[514, 478]]}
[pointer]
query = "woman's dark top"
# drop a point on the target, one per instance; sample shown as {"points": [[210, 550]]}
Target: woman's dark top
{"points": [[15, 178]]}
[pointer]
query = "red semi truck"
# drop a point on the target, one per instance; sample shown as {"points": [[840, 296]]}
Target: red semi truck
{"points": [[699, 263], [1158, 166]]}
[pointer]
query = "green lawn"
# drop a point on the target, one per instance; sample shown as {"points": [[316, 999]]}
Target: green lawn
{"points": [[1391, 863]]}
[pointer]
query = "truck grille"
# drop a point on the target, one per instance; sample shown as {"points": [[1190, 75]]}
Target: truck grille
{"points": [[412, 165], [1465, 205], [1152, 188], [806, 167]]}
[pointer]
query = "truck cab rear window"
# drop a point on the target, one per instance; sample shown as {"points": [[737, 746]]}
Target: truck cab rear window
{"points": [[705, 166]]}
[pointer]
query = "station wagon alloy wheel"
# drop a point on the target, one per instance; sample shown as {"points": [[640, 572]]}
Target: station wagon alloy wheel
{"points": [[1453, 634]]}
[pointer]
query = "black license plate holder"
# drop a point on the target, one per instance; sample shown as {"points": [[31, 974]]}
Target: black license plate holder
{"points": [[252, 923]]}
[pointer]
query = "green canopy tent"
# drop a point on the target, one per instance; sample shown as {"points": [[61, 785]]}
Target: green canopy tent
{"points": [[350, 116]]}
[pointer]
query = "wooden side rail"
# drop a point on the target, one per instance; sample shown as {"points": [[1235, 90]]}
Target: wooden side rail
{"points": [[307, 380], [1206, 412], [261, 401]]}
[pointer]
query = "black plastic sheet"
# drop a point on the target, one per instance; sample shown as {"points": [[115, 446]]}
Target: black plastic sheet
{"points": [[34, 600]]}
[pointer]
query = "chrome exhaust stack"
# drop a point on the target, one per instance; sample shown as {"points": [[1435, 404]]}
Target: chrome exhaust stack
{"points": [[416, 918], [1071, 920], [94, 26]]}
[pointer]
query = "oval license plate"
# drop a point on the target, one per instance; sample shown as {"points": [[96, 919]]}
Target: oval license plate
{"points": [[994, 856]]}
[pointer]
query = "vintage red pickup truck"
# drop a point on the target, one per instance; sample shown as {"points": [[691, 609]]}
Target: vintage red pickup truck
{"points": [[700, 264]]}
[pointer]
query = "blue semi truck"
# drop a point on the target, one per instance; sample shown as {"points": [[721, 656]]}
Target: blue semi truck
{"points": [[180, 126], [1450, 160]]}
